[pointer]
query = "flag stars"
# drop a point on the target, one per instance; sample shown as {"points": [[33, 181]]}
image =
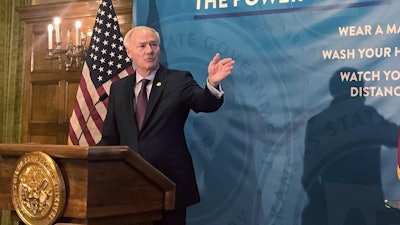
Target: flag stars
{"points": [[94, 48], [107, 53]]}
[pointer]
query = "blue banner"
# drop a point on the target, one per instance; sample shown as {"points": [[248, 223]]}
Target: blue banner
{"points": [[308, 131]]}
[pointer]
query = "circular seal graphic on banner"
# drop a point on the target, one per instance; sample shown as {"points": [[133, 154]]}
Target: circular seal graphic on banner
{"points": [[38, 189], [236, 148]]}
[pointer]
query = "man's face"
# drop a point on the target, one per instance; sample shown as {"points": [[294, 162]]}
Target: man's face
{"points": [[144, 50]]}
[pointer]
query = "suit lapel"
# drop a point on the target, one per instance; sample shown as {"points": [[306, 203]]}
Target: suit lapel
{"points": [[159, 83], [130, 93]]}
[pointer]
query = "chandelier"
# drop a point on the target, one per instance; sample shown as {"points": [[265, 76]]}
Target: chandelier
{"points": [[72, 56]]}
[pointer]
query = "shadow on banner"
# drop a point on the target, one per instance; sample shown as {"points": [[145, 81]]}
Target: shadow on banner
{"points": [[342, 175]]}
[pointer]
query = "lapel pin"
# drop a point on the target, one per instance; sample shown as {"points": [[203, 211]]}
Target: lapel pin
{"points": [[158, 84]]}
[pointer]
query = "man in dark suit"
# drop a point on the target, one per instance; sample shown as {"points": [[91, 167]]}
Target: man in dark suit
{"points": [[171, 95]]}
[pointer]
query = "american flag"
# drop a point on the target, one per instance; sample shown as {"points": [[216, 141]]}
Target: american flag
{"points": [[106, 61]]}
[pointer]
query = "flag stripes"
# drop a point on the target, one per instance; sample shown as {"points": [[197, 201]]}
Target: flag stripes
{"points": [[106, 61]]}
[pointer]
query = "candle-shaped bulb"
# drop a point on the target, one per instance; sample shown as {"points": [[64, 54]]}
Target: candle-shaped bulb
{"points": [[68, 36], [78, 25], [57, 20], [57, 29], [50, 35], [90, 32]]}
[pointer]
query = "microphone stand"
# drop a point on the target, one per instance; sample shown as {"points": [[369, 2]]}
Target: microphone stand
{"points": [[101, 98]]}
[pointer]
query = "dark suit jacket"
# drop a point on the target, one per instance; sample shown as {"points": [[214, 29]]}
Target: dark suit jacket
{"points": [[161, 140]]}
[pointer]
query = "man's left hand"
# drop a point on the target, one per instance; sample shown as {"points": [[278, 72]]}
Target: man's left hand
{"points": [[219, 69]]}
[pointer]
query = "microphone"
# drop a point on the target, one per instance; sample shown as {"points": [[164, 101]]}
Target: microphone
{"points": [[101, 98]]}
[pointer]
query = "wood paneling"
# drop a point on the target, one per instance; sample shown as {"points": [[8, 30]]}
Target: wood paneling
{"points": [[44, 102], [97, 180], [49, 91]]}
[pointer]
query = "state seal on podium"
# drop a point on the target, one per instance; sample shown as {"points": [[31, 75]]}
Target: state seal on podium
{"points": [[38, 189]]}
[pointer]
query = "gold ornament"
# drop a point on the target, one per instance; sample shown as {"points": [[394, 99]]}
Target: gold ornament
{"points": [[38, 189]]}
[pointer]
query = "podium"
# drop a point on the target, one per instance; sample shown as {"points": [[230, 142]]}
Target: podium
{"points": [[104, 185]]}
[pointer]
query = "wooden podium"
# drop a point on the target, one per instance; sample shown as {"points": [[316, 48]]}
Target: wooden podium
{"points": [[103, 185]]}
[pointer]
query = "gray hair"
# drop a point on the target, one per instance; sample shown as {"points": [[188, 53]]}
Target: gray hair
{"points": [[128, 35]]}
